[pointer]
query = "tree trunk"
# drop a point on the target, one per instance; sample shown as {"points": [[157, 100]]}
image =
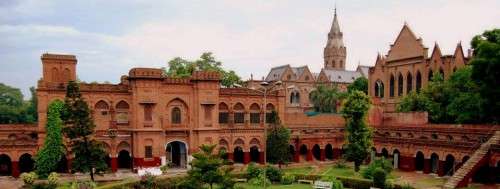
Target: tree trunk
{"points": [[356, 166]]}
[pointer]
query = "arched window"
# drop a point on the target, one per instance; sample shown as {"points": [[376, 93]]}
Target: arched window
{"points": [[391, 86], [295, 97], [379, 89], [409, 83], [269, 110], [400, 84], [239, 113], [176, 115], [223, 113], [418, 82], [102, 107], [429, 77], [254, 114], [122, 112]]}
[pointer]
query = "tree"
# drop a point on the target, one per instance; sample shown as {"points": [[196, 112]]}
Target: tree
{"points": [[32, 111], [181, 68], [11, 105], [360, 84], [277, 143], [358, 134], [53, 148], [325, 98], [208, 168], [486, 71], [79, 128]]}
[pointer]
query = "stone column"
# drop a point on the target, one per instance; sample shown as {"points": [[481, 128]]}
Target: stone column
{"points": [[261, 157], [427, 166], [114, 164], [407, 163], [322, 155], [246, 157], [441, 168], [296, 156], [309, 156], [15, 169]]}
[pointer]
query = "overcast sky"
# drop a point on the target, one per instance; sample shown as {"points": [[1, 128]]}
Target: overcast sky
{"points": [[110, 37]]}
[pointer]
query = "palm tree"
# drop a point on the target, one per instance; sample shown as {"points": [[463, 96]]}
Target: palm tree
{"points": [[325, 98]]}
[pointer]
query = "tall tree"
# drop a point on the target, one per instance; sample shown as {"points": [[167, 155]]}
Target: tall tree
{"points": [[53, 147], [79, 128], [32, 111], [209, 168], [360, 84], [486, 71], [13, 109], [179, 67], [325, 98], [277, 143], [359, 137]]}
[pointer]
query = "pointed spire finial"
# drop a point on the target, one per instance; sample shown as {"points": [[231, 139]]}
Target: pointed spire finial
{"points": [[335, 9]]}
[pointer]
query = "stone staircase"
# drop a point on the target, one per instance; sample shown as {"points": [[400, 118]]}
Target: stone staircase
{"points": [[461, 176]]}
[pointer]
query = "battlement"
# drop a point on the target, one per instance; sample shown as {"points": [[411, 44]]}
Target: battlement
{"points": [[48, 56], [206, 76], [153, 73]]}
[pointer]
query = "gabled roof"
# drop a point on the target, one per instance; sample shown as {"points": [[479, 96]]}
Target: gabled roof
{"points": [[341, 76], [298, 71], [406, 45], [363, 70], [277, 72]]}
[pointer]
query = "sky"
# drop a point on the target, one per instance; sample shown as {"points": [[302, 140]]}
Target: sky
{"points": [[109, 37]]}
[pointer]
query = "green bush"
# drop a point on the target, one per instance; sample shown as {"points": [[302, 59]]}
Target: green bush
{"points": [[307, 177], [164, 169], [53, 178], [274, 174], [260, 180], [253, 171], [287, 179], [29, 178], [357, 183], [379, 177], [336, 184], [386, 165]]}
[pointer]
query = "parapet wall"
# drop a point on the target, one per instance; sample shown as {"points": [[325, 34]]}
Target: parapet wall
{"points": [[405, 119], [320, 120]]}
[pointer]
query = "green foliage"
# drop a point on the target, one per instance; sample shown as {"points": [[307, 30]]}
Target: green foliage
{"points": [[486, 71], [261, 180], [53, 178], [29, 178], [287, 179], [379, 177], [253, 171], [273, 174], [340, 164], [53, 148], [13, 109], [336, 184], [350, 182], [147, 181], [277, 143], [360, 84], [359, 135], [326, 98], [164, 169], [181, 68], [378, 163], [79, 127], [208, 167]]}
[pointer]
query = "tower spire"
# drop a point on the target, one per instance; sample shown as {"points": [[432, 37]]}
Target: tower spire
{"points": [[335, 51]]}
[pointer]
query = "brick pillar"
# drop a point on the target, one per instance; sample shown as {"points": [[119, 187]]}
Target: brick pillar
{"points": [[427, 166], [230, 156], [441, 168], [337, 153], [246, 157], [406, 163], [261, 157], [68, 164], [309, 156], [296, 157], [322, 155], [15, 169], [114, 164]]}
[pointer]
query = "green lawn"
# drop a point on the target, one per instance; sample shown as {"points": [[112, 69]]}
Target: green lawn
{"points": [[292, 186], [335, 171], [299, 170]]}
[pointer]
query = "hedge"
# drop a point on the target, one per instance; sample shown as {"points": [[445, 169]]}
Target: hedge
{"points": [[348, 182]]}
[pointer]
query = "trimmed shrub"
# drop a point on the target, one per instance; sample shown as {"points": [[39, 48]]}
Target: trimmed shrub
{"points": [[29, 178], [274, 174], [53, 178], [307, 177], [287, 179], [379, 163], [164, 169], [355, 182], [253, 171], [336, 184], [260, 180], [379, 177]]}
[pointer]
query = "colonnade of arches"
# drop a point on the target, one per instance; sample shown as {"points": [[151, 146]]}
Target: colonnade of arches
{"points": [[402, 83], [9, 166]]}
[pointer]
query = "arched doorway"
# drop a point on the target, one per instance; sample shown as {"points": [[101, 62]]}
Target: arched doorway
{"points": [[107, 159], [5, 165], [419, 161], [238, 155], [291, 149], [254, 154], [385, 153], [26, 163], [434, 163], [449, 165], [223, 153], [62, 165], [176, 153], [124, 160], [316, 152], [329, 152], [303, 151], [395, 159]]}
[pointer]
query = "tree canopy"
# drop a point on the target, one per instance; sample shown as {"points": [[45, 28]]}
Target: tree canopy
{"points": [[325, 98], [277, 143], [360, 84], [14, 109], [208, 168], [179, 67]]}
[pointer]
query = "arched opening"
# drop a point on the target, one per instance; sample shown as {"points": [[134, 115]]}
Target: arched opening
{"points": [[385, 153], [409, 83], [429, 76], [303, 151], [419, 161], [122, 111], [254, 114], [400, 84], [62, 165], [66, 74], [5, 165], [418, 82], [124, 160], [26, 163], [391, 86], [316, 151], [291, 149], [254, 154], [434, 163], [107, 159], [269, 110], [102, 107], [238, 154], [176, 115], [395, 159], [176, 153], [449, 165], [329, 152], [223, 113], [294, 97], [239, 113], [379, 89]]}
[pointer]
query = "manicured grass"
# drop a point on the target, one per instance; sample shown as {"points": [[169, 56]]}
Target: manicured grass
{"points": [[299, 170], [292, 186], [335, 171]]}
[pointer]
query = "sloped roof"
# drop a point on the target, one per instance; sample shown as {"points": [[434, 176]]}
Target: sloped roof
{"points": [[363, 70], [298, 71], [406, 45], [341, 76], [276, 72]]}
